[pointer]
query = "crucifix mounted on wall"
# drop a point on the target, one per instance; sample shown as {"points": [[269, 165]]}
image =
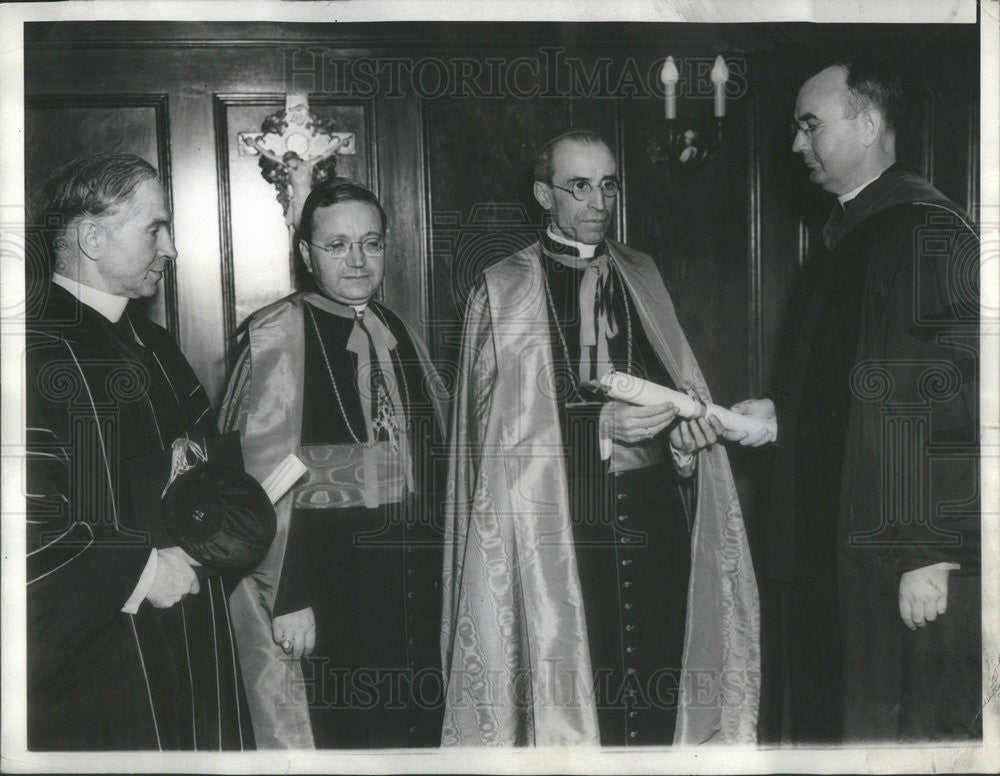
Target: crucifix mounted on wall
{"points": [[297, 150]]}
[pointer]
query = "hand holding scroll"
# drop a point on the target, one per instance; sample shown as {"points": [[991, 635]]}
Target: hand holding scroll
{"points": [[762, 409], [635, 390], [692, 436], [634, 423]]}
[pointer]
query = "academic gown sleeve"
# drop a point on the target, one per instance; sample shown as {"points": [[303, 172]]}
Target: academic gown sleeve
{"points": [[778, 460], [81, 567], [929, 336]]}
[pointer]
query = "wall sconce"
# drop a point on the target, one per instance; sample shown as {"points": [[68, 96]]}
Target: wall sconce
{"points": [[689, 141]]}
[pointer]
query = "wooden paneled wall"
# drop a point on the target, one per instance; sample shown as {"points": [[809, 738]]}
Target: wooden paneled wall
{"points": [[449, 116]]}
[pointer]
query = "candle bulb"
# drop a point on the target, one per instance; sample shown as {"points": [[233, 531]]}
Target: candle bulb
{"points": [[669, 78], [720, 75]]}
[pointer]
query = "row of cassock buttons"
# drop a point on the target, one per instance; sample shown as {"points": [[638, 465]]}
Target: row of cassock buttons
{"points": [[410, 619], [624, 597]]}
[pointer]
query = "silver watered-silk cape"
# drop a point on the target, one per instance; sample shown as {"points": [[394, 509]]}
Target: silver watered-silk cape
{"points": [[514, 640]]}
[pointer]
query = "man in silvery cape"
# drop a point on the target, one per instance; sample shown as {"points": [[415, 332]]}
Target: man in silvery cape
{"points": [[126, 648], [876, 522], [589, 599], [338, 627]]}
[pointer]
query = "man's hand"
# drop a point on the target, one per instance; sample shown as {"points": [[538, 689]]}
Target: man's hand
{"points": [[634, 423], [691, 436], [173, 580], [923, 594], [295, 632], [755, 408]]}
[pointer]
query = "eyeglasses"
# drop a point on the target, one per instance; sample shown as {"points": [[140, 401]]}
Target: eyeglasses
{"points": [[338, 249], [809, 130], [582, 188]]}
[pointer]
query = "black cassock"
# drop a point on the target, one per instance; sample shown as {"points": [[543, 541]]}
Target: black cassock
{"points": [[99, 678], [370, 574], [631, 530]]}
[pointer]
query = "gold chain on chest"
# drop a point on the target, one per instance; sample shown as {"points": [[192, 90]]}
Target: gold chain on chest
{"points": [[562, 337], [383, 393]]}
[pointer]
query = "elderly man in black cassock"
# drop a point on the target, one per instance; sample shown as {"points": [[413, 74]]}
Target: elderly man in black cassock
{"points": [[126, 648], [338, 627], [875, 529]]}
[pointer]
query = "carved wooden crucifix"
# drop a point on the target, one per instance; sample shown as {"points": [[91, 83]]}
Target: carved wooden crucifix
{"points": [[297, 150]]}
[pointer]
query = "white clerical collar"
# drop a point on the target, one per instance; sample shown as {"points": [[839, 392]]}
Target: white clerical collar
{"points": [[845, 198], [585, 249], [108, 305]]}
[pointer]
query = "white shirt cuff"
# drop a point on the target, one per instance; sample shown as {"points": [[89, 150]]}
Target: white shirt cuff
{"points": [[604, 442], [142, 589]]}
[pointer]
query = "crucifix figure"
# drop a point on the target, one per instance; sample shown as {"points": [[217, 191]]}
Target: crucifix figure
{"points": [[297, 150]]}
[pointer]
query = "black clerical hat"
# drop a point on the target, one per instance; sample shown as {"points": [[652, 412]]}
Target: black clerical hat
{"points": [[219, 516]]}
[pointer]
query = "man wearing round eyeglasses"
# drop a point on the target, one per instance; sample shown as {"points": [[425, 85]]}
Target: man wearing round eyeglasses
{"points": [[598, 586], [339, 626], [870, 529]]}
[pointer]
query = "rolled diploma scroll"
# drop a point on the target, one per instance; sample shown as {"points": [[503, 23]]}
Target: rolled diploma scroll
{"points": [[635, 390]]}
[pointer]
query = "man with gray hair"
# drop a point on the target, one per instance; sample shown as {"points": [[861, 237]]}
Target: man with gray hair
{"points": [[127, 649], [877, 477]]}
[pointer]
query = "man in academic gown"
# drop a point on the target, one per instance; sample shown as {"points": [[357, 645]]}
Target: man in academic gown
{"points": [[338, 627], [126, 648], [598, 587], [876, 488]]}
